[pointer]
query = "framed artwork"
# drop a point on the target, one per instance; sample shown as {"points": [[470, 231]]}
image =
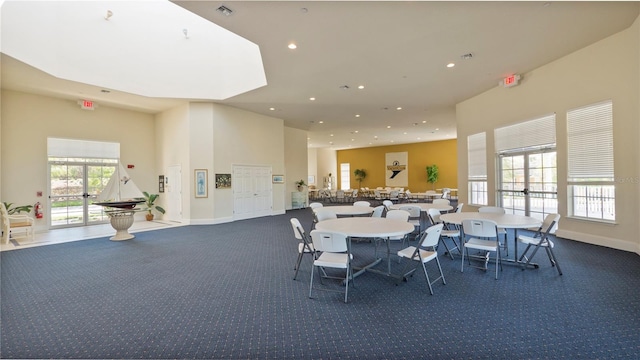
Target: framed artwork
{"points": [[278, 179], [223, 181], [201, 183], [161, 183], [311, 179]]}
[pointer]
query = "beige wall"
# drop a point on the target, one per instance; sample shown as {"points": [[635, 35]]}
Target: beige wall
{"points": [[193, 136], [608, 69], [28, 120], [296, 161], [172, 132]]}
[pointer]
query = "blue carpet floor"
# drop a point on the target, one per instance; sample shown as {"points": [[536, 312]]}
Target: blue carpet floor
{"points": [[226, 292]]}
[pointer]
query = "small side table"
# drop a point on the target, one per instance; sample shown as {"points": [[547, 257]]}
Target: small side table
{"points": [[299, 199]]}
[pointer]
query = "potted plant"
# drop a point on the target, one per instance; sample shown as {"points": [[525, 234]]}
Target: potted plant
{"points": [[17, 209], [360, 175], [301, 184], [149, 201], [432, 174]]}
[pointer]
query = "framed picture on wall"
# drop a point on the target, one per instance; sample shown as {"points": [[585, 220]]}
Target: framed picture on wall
{"points": [[201, 183], [278, 179], [311, 179], [223, 181]]}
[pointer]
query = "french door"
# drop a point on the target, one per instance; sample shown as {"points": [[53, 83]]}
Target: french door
{"points": [[73, 189], [252, 191], [528, 182]]}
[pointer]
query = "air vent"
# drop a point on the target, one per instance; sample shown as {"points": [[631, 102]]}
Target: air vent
{"points": [[224, 10]]}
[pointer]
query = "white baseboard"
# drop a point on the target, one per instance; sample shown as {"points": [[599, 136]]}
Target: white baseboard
{"points": [[600, 240]]}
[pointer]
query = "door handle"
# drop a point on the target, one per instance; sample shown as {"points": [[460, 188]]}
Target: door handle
{"points": [[525, 191]]}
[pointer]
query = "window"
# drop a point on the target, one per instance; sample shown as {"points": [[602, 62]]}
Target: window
{"points": [[345, 176], [590, 174], [477, 168]]}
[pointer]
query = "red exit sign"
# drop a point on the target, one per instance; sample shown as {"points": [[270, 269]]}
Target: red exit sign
{"points": [[87, 104], [511, 80]]}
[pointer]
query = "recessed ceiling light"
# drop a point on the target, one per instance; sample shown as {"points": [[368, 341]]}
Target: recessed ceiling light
{"points": [[450, 65], [353, 139], [356, 131], [361, 87], [405, 133], [272, 109], [320, 122], [331, 135], [312, 98], [388, 126], [292, 46], [357, 115], [398, 108], [424, 121]]}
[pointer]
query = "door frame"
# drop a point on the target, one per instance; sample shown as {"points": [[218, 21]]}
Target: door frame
{"points": [[526, 191]]}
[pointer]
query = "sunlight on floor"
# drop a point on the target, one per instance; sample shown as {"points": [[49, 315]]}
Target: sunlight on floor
{"points": [[58, 236]]}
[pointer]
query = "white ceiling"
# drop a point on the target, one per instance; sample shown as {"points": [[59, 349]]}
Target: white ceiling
{"points": [[397, 50]]}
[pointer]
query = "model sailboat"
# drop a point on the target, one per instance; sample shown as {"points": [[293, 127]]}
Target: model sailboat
{"points": [[121, 192]]}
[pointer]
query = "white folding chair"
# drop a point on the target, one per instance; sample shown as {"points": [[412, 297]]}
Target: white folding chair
{"points": [[541, 240], [414, 216], [362, 203], [335, 252], [448, 233], [481, 232], [378, 211], [401, 215], [325, 213], [315, 205], [305, 246], [442, 201], [387, 204], [501, 231], [425, 252]]}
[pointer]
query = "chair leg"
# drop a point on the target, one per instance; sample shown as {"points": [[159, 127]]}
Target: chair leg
{"points": [[311, 282], [297, 267], [446, 247], [444, 282], [427, 276], [554, 262]]}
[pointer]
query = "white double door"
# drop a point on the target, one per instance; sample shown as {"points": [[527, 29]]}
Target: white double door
{"points": [[252, 191]]}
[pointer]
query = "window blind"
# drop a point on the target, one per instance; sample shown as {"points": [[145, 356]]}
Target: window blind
{"points": [[533, 133], [477, 156], [590, 143], [70, 148]]}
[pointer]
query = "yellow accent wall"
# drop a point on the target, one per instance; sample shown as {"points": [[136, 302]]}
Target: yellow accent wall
{"points": [[420, 155]]}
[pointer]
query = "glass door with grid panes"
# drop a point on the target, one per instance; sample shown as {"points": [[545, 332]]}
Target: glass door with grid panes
{"points": [[528, 183], [74, 186]]}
